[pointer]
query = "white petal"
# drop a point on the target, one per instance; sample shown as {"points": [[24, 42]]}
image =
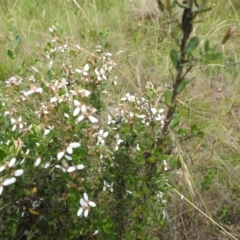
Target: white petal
{"points": [[60, 155], [37, 162], [92, 204], [96, 71], [85, 196], [18, 172], [69, 150], [80, 118], [1, 189], [13, 120], [86, 92], [80, 167], [9, 181], [80, 211], [69, 158], [71, 169], [76, 112], [92, 119], [154, 111], [23, 160], [46, 165], [39, 90], [2, 168], [78, 70], [53, 99], [76, 103], [86, 212], [86, 67], [12, 162], [14, 128], [83, 203], [58, 166], [46, 132], [74, 145], [83, 108], [105, 134]]}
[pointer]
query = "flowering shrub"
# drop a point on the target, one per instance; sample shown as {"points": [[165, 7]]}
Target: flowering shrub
{"points": [[59, 144], [49, 142]]}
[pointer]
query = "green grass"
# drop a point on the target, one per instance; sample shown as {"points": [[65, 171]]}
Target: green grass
{"points": [[141, 49]]}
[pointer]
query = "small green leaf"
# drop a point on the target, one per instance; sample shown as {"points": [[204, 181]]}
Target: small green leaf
{"points": [[11, 24], [38, 64], [49, 45], [182, 132], [13, 230], [174, 122], [106, 225], [152, 159], [207, 46], [137, 194], [181, 87], [49, 75], [140, 161], [168, 97], [17, 40], [174, 58], [193, 43], [145, 189], [200, 134], [11, 149], [3, 154], [38, 130], [216, 56], [183, 84], [32, 139], [194, 129], [106, 229], [11, 54], [207, 181]]}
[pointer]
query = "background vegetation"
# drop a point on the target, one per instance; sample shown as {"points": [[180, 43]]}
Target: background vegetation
{"points": [[140, 46]]}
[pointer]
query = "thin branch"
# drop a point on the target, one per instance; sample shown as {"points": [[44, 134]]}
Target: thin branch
{"points": [[187, 26]]}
